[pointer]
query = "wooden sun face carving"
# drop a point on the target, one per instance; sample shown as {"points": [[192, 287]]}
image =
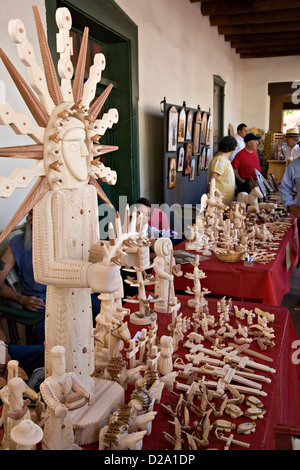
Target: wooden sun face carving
{"points": [[67, 149], [75, 153], [66, 133]]}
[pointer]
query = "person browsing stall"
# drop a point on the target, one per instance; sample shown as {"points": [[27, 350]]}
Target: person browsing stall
{"points": [[242, 131], [245, 163], [221, 169], [292, 150], [291, 182], [18, 256]]}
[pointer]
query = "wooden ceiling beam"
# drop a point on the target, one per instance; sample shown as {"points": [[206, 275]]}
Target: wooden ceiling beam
{"points": [[259, 28], [271, 42], [295, 48], [263, 36], [246, 6], [255, 18], [256, 28], [263, 55]]}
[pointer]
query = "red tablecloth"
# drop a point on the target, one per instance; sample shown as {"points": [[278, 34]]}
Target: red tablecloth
{"points": [[283, 398], [266, 283], [282, 402]]}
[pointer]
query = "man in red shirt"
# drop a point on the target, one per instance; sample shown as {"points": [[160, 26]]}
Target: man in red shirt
{"points": [[245, 162]]}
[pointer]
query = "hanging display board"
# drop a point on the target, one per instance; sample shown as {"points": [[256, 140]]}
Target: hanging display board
{"points": [[187, 153]]}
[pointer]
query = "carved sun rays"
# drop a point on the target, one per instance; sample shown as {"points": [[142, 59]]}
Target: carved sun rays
{"points": [[49, 93]]}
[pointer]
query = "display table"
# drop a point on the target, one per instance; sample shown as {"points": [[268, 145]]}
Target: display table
{"points": [[266, 283], [282, 401]]}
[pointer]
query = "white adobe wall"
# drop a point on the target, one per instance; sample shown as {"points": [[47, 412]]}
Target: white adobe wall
{"points": [[8, 93], [179, 52], [256, 74]]}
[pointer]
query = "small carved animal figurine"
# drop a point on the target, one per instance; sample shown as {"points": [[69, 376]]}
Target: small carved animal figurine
{"points": [[233, 411], [116, 437], [246, 428], [128, 415], [114, 339], [223, 425], [252, 198], [255, 413]]}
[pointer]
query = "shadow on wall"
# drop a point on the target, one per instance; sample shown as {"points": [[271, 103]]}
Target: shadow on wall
{"points": [[152, 159]]}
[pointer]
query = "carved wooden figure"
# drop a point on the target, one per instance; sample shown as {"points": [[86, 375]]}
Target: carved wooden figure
{"points": [[196, 276], [145, 313], [58, 392], [65, 205], [165, 268], [17, 408], [251, 199], [12, 371], [165, 361], [117, 437]]}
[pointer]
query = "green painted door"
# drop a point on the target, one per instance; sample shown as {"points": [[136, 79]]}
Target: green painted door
{"points": [[115, 35]]}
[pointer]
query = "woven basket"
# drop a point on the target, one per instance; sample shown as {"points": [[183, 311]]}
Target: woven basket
{"points": [[229, 257]]}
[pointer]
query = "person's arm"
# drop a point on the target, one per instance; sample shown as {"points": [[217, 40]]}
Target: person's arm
{"points": [[296, 152], [214, 175], [7, 263], [235, 165], [238, 148], [286, 189], [238, 177], [295, 210], [4, 356]]}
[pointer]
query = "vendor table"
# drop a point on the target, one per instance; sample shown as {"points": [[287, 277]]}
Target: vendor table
{"points": [[266, 283], [282, 403], [282, 400]]}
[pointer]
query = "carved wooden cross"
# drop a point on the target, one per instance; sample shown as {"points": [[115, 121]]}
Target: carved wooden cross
{"points": [[131, 353], [143, 339]]}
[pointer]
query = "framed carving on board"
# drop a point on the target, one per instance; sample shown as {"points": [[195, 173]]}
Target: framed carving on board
{"points": [[275, 182], [180, 163], [260, 180], [192, 173], [189, 125], [271, 182], [203, 128], [208, 157], [172, 173], [201, 160], [199, 166], [188, 158], [172, 129], [208, 130], [196, 134], [183, 152], [267, 184], [181, 125]]}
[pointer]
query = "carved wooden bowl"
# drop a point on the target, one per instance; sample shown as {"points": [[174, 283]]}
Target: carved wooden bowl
{"points": [[229, 257]]}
